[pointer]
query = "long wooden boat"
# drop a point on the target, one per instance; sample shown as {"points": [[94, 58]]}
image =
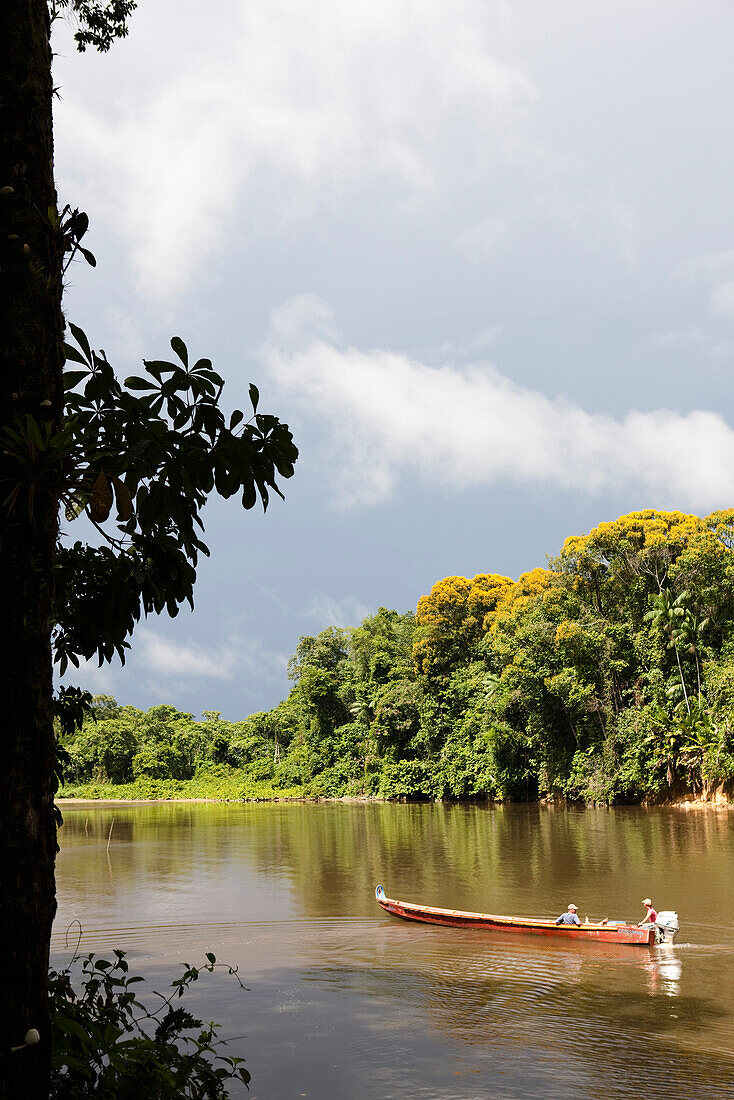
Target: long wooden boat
{"points": [[612, 932]]}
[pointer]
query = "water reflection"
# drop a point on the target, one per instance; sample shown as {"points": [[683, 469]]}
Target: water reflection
{"points": [[345, 1000], [665, 969], [551, 1017]]}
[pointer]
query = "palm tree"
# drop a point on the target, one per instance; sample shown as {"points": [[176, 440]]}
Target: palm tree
{"points": [[491, 683], [687, 637], [666, 614], [362, 710]]}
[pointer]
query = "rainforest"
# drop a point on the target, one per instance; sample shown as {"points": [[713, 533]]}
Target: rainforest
{"points": [[605, 676]]}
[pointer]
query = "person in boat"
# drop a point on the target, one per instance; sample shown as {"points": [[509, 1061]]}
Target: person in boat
{"points": [[651, 915], [570, 916]]}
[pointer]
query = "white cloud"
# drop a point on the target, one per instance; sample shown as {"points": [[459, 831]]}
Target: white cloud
{"points": [[389, 416], [722, 300], [484, 238], [305, 313], [177, 663], [167, 659], [713, 277], [714, 272], [164, 666], [681, 337], [460, 349], [717, 350], [299, 100], [99, 679], [709, 265], [327, 611]]}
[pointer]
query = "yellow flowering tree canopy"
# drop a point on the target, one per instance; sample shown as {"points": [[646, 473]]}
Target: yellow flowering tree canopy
{"points": [[641, 541], [452, 619], [629, 557], [721, 525], [522, 592]]}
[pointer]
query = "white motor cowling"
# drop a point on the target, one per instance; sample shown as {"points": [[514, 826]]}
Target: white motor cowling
{"points": [[666, 927]]}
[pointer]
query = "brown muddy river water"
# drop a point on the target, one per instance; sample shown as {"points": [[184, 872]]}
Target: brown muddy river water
{"points": [[345, 1003]]}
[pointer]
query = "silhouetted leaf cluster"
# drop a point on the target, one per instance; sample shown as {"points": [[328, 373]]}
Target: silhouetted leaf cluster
{"points": [[107, 1042], [154, 447]]}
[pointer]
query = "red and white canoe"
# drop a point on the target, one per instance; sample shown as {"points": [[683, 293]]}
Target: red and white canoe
{"points": [[612, 932]]}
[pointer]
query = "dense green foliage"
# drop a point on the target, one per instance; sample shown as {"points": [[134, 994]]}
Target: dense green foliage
{"points": [[607, 676], [108, 1042], [164, 753], [155, 447]]}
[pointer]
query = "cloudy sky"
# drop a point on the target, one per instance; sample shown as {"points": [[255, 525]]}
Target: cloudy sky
{"points": [[479, 255]]}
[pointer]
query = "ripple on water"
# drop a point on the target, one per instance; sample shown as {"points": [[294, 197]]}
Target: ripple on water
{"points": [[344, 1002]]}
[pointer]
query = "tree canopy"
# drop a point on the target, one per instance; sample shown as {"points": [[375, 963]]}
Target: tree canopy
{"points": [[606, 676]]}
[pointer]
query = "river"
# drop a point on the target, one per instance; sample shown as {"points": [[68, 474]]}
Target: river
{"points": [[346, 1003]]}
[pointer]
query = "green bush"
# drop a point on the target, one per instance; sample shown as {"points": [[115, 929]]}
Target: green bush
{"points": [[260, 770], [160, 760], [106, 1042], [406, 779], [103, 751], [287, 774]]}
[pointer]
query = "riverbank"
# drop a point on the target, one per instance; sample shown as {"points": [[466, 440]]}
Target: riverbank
{"points": [[225, 785], [722, 794], [104, 801], [717, 801]]}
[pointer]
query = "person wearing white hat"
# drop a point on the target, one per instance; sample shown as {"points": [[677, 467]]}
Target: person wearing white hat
{"points": [[570, 916], [651, 916]]}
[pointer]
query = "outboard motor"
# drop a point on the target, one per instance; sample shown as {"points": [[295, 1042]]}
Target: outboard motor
{"points": [[666, 927]]}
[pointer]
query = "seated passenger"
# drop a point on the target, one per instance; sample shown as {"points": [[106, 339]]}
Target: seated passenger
{"points": [[569, 917]]}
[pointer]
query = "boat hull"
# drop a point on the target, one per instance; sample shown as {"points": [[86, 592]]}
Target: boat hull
{"points": [[617, 932]]}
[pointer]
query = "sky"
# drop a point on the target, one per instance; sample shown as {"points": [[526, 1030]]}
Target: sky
{"points": [[478, 255]]}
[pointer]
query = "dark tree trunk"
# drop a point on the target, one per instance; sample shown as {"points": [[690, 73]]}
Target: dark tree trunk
{"points": [[31, 329]]}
